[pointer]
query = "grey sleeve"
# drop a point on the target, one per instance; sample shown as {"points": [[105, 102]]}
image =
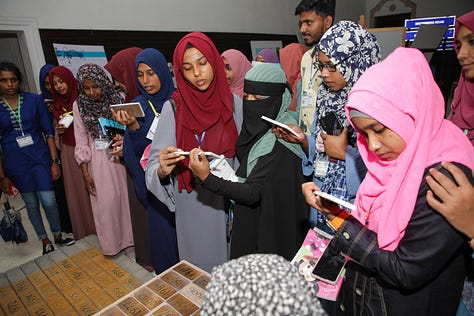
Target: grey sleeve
{"points": [[165, 135]]}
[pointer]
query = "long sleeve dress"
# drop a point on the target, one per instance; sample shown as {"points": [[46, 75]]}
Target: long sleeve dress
{"points": [[271, 214], [110, 204], [200, 214]]}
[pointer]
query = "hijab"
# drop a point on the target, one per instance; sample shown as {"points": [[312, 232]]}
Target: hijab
{"points": [[91, 110], [44, 71], [353, 50], [259, 284], [462, 108], [206, 115], [290, 61], [409, 102], [256, 138], [240, 65], [62, 104], [269, 55], [157, 62], [122, 69]]}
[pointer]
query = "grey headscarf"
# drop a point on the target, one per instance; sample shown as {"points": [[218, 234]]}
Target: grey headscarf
{"points": [[259, 284]]}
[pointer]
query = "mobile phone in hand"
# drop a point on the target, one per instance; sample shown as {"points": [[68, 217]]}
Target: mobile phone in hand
{"points": [[331, 124], [329, 266]]}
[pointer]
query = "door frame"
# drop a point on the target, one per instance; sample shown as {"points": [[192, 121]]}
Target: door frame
{"points": [[29, 41]]}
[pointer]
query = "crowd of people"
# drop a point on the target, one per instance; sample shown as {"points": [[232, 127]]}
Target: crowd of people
{"points": [[201, 177]]}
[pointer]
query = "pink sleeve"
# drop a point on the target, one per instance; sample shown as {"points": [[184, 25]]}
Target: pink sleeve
{"points": [[82, 151]]}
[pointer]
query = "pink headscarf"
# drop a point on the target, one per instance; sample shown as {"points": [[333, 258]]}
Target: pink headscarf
{"points": [[409, 102], [462, 108], [290, 61], [240, 65]]}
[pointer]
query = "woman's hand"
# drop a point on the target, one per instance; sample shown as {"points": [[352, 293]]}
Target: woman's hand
{"points": [[55, 171], [5, 184], [329, 209], [168, 160], [289, 137], [123, 118], [117, 145], [454, 201], [90, 184], [60, 129], [199, 164], [336, 146]]}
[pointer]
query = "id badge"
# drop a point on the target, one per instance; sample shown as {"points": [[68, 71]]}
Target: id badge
{"points": [[308, 99], [221, 168], [321, 165], [154, 124], [101, 143], [24, 140]]}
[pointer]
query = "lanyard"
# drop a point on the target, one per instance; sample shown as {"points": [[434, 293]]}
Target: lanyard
{"points": [[17, 113], [311, 74], [199, 141], [66, 112], [152, 107]]}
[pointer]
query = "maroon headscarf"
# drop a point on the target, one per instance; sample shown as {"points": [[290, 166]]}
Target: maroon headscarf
{"points": [[290, 61], [122, 69], [63, 103], [462, 108], [209, 111]]}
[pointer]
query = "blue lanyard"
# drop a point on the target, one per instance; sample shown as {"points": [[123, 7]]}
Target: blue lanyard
{"points": [[200, 140]]}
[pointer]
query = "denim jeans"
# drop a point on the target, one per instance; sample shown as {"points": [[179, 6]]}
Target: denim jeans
{"points": [[48, 202]]}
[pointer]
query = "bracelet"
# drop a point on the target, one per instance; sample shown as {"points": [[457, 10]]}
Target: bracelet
{"points": [[56, 160], [337, 221]]}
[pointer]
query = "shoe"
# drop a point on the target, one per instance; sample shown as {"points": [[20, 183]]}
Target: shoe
{"points": [[64, 241], [48, 248]]}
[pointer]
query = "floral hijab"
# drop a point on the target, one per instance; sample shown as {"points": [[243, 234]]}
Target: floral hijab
{"points": [[90, 109], [353, 50]]}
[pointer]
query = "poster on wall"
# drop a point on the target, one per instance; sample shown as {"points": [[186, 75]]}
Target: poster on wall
{"points": [[73, 56], [257, 46]]}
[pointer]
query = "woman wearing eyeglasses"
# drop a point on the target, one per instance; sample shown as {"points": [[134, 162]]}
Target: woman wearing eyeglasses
{"points": [[345, 51]]}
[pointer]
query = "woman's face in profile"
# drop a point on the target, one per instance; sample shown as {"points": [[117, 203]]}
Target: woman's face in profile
{"points": [[229, 73], [465, 55], [196, 69]]}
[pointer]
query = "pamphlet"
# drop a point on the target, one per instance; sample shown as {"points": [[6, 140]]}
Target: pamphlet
{"points": [[280, 124], [133, 109]]}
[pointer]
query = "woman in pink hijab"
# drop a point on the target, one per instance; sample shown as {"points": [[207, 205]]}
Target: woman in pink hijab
{"points": [[404, 257], [462, 108], [236, 66]]}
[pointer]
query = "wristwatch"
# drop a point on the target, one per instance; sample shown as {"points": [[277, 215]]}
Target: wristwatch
{"points": [[56, 160]]}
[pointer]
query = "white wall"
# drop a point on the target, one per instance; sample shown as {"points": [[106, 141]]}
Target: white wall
{"points": [[235, 16], [239, 16], [431, 8]]}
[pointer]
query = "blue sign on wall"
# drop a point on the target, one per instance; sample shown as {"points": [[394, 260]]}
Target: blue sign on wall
{"points": [[412, 26]]}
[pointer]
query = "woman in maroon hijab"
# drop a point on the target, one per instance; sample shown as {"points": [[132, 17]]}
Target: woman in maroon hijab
{"points": [[64, 93], [122, 69], [462, 108], [208, 116]]}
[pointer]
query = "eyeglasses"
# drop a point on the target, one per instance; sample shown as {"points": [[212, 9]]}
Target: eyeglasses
{"points": [[330, 67]]}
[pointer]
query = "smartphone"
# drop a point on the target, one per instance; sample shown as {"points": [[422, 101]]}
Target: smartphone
{"points": [[331, 124], [329, 266]]}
